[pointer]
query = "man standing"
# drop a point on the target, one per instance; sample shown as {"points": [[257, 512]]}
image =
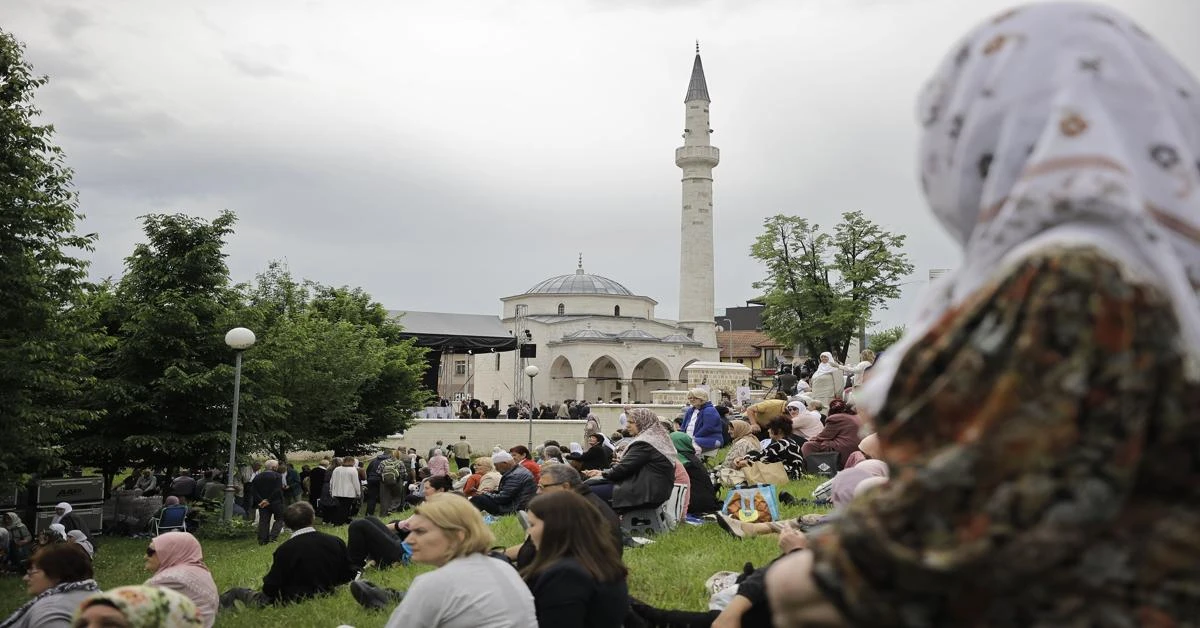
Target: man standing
{"points": [[462, 452], [308, 564], [517, 487], [267, 491], [374, 478]]}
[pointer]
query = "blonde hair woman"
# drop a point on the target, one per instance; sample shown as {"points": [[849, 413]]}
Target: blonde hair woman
{"points": [[489, 477], [449, 533]]}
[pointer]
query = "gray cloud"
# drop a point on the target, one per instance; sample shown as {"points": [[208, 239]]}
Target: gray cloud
{"points": [[444, 155]]}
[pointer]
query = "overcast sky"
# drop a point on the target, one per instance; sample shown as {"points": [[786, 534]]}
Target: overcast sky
{"points": [[442, 155]]}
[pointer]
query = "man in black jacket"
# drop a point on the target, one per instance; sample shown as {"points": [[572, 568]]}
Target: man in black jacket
{"points": [[308, 564], [516, 488], [266, 490]]}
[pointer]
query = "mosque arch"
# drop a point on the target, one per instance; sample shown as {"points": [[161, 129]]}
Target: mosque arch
{"points": [[562, 379], [649, 375], [683, 376], [604, 379]]}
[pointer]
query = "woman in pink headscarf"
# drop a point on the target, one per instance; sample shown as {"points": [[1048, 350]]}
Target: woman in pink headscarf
{"points": [[178, 564]]}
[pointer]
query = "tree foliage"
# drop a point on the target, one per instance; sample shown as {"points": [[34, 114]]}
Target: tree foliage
{"points": [[44, 338], [332, 371], [820, 288], [881, 340], [166, 379]]}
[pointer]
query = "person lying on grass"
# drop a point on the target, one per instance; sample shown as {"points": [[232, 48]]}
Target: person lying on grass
{"points": [[371, 539]]}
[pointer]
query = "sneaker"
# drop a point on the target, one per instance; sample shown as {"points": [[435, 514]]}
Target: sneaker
{"points": [[696, 521], [372, 597], [731, 525]]}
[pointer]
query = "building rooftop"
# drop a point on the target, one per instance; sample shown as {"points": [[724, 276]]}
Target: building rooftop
{"points": [[697, 87], [579, 283]]}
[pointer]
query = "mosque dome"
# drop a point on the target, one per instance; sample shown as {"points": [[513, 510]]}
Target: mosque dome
{"points": [[580, 283]]}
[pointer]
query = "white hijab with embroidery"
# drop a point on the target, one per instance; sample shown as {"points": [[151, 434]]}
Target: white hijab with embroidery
{"points": [[1053, 125]]}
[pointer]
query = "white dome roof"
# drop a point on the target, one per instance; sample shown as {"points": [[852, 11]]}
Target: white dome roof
{"points": [[579, 283]]}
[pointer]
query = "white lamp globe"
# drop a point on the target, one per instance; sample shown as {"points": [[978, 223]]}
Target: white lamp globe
{"points": [[532, 371], [239, 338]]}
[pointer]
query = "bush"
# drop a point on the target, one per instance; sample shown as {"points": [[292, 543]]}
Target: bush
{"points": [[214, 528]]}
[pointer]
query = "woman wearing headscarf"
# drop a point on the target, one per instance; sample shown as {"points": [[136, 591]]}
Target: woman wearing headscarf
{"points": [[1039, 415], [646, 472], [743, 441], [138, 607], [20, 543], [64, 514], [597, 456], [702, 496], [177, 561], [826, 381], [592, 426], [80, 539], [59, 578]]}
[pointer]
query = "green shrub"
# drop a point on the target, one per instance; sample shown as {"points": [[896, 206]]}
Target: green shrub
{"points": [[214, 528]]}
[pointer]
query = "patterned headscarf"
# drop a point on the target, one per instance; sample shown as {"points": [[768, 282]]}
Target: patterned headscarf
{"points": [[1060, 124], [650, 430], [148, 607], [739, 428]]}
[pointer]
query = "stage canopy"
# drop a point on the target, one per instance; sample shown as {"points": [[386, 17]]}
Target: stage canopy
{"points": [[456, 333]]}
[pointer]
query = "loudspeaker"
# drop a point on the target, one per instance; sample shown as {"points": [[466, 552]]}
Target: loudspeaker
{"points": [[529, 351]]}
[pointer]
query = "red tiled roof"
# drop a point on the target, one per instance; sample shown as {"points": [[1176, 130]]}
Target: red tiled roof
{"points": [[745, 344]]}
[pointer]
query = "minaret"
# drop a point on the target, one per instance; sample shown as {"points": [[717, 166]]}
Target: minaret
{"points": [[697, 157]]}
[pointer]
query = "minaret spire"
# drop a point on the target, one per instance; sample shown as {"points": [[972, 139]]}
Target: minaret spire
{"points": [[697, 158]]}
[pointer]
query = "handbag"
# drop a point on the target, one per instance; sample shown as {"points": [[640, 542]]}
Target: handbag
{"points": [[765, 473]]}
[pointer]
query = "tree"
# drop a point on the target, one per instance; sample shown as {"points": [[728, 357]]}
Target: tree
{"points": [[331, 372], [821, 288], [881, 340], [166, 381], [44, 337]]}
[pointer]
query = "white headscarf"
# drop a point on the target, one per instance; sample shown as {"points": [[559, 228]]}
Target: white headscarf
{"points": [[576, 448], [1061, 124], [824, 368], [65, 508], [79, 538]]}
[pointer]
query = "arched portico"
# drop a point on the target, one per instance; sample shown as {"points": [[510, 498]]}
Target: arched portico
{"points": [[604, 379], [650, 374], [562, 380]]}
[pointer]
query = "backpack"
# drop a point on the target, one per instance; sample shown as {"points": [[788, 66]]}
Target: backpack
{"points": [[391, 471]]}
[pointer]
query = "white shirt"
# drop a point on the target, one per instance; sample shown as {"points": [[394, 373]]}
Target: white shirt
{"points": [[494, 596]]}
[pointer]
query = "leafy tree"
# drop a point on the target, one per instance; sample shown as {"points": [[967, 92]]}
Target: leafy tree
{"points": [[881, 340], [166, 381], [44, 338], [821, 288], [331, 371]]}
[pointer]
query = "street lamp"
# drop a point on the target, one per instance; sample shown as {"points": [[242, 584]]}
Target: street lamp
{"points": [[730, 347], [239, 339], [531, 371]]}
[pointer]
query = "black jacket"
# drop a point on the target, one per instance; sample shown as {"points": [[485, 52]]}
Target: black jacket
{"points": [[313, 563], [598, 458], [516, 489], [528, 552], [267, 485], [644, 478], [566, 594]]}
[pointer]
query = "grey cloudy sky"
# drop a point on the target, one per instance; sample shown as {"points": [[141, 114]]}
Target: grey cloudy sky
{"points": [[444, 154]]}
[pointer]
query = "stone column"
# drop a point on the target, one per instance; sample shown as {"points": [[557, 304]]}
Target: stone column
{"points": [[625, 384], [579, 392]]}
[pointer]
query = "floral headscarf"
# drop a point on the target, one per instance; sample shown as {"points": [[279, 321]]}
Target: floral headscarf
{"points": [[148, 607], [1054, 125], [650, 430]]}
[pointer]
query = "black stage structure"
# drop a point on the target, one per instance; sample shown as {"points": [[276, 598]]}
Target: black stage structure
{"points": [[446, 334]]}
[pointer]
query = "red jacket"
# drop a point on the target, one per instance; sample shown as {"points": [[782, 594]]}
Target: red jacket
{"points": [[537, 471]]}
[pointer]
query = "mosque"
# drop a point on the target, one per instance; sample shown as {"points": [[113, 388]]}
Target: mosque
{"points": [[591, 337]]}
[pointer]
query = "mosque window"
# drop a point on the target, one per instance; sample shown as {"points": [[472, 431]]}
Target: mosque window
{"points": [[460, 367], [616, 310], [562, 309]]}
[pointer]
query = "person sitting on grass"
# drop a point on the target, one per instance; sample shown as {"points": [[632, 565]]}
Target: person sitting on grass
{"points": [[743, 441], [138, 607], [565, 478], [59, 578], [489, 477], [371, 539], [645, 474], [517, 487], [448, 533], [20, 542], [308, 564], [782, 448], [520, 453], [868, 449], [576, 577], [65, 516], [840, 434], [79, 538], [177, 562], [460, 483], [597, 456]]}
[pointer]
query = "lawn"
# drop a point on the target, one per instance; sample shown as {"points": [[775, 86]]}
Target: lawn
{"points": [[668, 573]]}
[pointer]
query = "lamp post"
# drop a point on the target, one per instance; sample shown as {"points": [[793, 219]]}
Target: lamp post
{"points": [[730, 343], [532, 372], [239, 339]]}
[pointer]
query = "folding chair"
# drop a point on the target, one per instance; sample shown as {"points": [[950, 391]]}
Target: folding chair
{"points": [[170, 518]]}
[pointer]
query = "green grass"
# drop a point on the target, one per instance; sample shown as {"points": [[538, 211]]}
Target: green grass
{"points": [[669, 573]]}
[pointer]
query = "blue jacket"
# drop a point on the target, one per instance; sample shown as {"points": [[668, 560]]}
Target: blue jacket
{"points": [[707, 433]]}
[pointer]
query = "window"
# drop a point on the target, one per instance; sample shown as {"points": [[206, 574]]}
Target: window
{"points": [[460, 367], [768, 358], [562, 309], [616, 310]]}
